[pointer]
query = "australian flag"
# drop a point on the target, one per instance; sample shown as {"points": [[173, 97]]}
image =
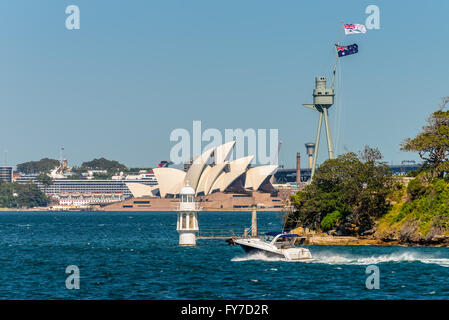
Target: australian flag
{"points": [[347, 50]]}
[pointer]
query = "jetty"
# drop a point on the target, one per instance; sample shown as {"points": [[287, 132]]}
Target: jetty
{"points": [[223, 233]]}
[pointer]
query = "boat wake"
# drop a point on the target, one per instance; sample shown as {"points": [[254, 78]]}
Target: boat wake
{"points": [[341, 259]]}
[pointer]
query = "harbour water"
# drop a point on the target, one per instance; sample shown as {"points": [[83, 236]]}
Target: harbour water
{"points": [[136, 256]]}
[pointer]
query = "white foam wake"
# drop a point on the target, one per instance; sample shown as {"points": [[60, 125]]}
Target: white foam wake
{"points": [[330, 258], [348, 259]]}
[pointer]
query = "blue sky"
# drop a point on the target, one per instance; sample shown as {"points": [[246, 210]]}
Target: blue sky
{"points": [[137, 70]]}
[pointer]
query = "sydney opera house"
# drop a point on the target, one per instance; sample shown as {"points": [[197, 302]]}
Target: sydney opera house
{"points": [[219, 184]]}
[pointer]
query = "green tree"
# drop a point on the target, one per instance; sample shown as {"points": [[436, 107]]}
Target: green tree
{"points": [[30, 196], [330, 220], [14, 195], [416, 188], [111, 166], [45, 180], [355, 188], [103, 164], [7, 198], [432, 144], [41, 166]]}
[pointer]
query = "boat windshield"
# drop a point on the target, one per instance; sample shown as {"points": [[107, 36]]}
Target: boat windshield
{"points": [[282, 241], [267, 238], [285, 242]]}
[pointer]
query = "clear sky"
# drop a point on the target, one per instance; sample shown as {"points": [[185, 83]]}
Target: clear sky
{"points": [[136, 70]]}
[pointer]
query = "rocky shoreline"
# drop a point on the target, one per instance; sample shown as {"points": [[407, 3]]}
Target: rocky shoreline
{"points": [[329, 240], [390, 238]]}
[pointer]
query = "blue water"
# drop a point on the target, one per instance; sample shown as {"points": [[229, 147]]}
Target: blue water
{"points": [[136, 256]]}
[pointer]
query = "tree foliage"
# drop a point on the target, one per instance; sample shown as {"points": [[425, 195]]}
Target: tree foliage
{"points": [[416, 188], [103, 164], [14, 195], [427, 204], [423, 215], [432, 144], [34, 167], [330, 221], [111, 166], [347, 193], [44, 179]]}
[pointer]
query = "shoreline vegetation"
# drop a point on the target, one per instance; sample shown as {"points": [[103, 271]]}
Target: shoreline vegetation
{"points": [[354, 200]]}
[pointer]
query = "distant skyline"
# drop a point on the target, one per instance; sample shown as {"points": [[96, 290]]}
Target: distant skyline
{"points": [[136, 71]]}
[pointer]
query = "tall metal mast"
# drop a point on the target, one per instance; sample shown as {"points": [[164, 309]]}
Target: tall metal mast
{"points": [[336, 55], [323, 99]]}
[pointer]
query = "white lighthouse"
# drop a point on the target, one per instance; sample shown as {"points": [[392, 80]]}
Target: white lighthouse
{"points": [[187, 224]]}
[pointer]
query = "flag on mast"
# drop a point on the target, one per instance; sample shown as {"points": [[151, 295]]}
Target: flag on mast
{"points": [[351, 28], [347, 50]]}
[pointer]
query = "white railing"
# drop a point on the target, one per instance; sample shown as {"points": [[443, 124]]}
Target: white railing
{"points": [[188, 206]]}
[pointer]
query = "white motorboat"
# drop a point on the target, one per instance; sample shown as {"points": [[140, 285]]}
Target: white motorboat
{"points": [[276, 244]]}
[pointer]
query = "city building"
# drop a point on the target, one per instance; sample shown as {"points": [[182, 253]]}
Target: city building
{"points": [[88, 186], [87, 198], [6, 173]]}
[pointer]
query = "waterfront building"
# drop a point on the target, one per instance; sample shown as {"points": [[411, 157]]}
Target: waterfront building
{"points": [[287, 189], [87, 186], [88, 198], [218, 201], [6, 173]]}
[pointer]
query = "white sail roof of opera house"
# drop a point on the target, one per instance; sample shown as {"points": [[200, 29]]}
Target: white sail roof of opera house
{"points": [[210, 172], [257, 175], [197, 167], [236, 169], [203, 179], [221, 153], [169, 180], [197, 175], [139, 189], [212, 176]]}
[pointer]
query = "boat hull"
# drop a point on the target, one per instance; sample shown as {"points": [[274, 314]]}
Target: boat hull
{"points": [[253, 250], [291, 254]]}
